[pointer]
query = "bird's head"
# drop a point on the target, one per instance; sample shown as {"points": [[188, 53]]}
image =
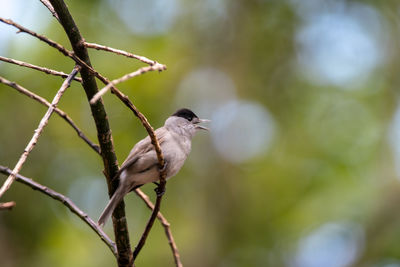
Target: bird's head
{"points": [[184, 120]]}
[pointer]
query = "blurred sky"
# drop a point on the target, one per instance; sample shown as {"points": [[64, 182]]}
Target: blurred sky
{"points": [[300, 167]]}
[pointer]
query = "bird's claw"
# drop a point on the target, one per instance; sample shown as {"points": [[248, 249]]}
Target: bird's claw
{"points": [[159, 192], [163, 168]]}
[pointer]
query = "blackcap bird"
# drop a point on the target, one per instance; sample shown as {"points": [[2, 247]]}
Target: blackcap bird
{"points": [[141, 166]]}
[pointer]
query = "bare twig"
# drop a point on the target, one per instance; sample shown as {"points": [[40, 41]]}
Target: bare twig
{"points": [[60, 112], [120, 52], [43, 69], [38, 132], [7, 205], [50, 8], [65, 201], [156, 66], [166, 226]]}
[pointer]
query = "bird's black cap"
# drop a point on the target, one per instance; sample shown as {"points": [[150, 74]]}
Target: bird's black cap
{"points": [[185, 113]]}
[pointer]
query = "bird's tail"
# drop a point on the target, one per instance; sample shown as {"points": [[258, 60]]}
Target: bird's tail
{"points": [[114, 201]]}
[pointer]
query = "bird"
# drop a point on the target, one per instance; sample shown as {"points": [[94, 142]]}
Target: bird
{"points": [[141, 166]]}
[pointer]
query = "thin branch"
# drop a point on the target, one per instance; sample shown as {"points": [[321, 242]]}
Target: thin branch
{"points": [[60, 112], [7, 205], [166, 226], [43, 69], [38, 132], [65, 201], [120, 52], [47, 4], [156, 66]]}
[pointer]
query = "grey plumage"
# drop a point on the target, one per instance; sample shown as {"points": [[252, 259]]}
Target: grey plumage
{"points": [[141, 166]]}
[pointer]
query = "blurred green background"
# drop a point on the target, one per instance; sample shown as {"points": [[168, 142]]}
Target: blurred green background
{"points": [[300, 169]]}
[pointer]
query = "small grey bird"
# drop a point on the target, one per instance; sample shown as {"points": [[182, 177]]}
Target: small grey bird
{"points": [[141, 166]]}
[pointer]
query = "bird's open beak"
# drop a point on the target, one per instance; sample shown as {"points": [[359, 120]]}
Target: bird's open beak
{"points": [[200, 126]]}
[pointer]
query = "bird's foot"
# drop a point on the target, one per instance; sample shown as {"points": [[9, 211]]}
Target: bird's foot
{"points": [[163, 168], [158, 191]]}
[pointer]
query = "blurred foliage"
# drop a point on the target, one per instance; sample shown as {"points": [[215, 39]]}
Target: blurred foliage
{"points": [[323, 191]]}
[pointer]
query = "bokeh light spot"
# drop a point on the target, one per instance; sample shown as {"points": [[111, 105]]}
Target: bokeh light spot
{"points": [[85, 193], [36, 19], [241, 130], [338, 46], [204, 90], [147, 18], [343, 128], [331, 245]]}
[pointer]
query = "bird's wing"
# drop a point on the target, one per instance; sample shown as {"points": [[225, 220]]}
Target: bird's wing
{"points": [[144, 150]]}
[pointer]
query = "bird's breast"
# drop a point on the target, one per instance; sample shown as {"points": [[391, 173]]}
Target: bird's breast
{"points": [[175, 153]]}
